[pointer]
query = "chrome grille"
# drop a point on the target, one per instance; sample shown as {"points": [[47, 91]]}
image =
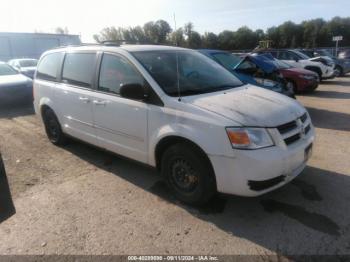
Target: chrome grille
{"points": [[293, 131]]}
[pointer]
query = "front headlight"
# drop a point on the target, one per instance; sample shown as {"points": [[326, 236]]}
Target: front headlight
{"points": [[265, 82], [307, 77], [249, 138]]}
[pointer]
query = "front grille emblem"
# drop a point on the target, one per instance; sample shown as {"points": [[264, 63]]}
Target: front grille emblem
{"points": [[302, 129]]}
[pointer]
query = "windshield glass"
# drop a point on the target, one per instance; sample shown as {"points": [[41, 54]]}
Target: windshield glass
{"points": [[28, 63], [282, 65], [300, 54], [229, 61], [7, 70], [186, 71], [325, 53]]}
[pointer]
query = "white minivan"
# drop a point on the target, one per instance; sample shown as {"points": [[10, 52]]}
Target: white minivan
{"points": [[176, 110]]}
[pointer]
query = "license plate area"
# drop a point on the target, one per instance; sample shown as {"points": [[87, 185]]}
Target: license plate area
{"points": [[308, 152]]}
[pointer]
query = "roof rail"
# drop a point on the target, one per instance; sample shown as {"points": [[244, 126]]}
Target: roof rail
{"points": [[123, 42], [77, 45]]}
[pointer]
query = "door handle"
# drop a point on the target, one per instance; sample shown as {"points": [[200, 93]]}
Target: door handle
{"points": [[84, 99], [100, 103]]}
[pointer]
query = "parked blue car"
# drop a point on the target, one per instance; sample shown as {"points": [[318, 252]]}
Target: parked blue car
{"points": [[259, 70]]}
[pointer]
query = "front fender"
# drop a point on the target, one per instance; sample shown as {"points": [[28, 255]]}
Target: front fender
{"points": [[177, 130]]}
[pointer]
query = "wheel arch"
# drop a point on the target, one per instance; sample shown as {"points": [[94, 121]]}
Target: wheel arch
{"points": [[170, 140], [315, 69]]}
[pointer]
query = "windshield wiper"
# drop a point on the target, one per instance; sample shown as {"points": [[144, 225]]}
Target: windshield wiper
{"points": [[224, 87]]}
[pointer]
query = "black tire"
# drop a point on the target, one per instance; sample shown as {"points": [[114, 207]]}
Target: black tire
{"points": [[292, 85], [188, 174], [53, 128]]}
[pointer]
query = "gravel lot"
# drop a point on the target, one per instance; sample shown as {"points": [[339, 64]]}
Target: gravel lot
{"points": [[81, 200]]}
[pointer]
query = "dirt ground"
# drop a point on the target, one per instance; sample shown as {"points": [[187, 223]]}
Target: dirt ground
{"points": [[81, 200]]}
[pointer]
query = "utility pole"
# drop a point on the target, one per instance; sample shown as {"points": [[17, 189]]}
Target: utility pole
{"points": [[336, 39]]}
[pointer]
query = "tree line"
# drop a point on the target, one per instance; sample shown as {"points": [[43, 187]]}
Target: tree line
{"points": [[307, 34]]}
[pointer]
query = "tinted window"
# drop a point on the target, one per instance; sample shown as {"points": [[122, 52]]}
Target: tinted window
{"points": [[115, 72], [186, 71], [273, 53], [297, 54], [285, 55], [48, 66], [78, 69]]}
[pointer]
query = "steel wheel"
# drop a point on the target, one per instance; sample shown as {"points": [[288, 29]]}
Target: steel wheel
{"points": [[183, 175]]}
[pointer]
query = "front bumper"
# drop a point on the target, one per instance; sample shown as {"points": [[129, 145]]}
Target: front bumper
{"points": [[307, 85], [328, 73], [234, 175]]}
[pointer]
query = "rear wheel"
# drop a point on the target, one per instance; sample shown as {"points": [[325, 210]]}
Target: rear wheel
{"points": [[53, 128], [188, 173]]}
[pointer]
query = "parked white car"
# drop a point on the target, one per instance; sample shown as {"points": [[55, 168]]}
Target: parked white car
{"points": [[297, 59], [25, 66], [178, 111]]}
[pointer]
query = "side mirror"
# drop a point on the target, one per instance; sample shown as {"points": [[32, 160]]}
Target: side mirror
{"points": [[296, 59], [133, 91]]}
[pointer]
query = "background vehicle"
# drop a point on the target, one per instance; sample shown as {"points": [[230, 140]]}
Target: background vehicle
{"points": [[14, 87], [177, 110], [255, 70], [300, 60], [25, 66], [19, 45], [342, 66], [344, 54], [299, 79]]}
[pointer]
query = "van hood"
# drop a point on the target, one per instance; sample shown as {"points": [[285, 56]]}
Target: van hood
{"points": [[250, 106]]}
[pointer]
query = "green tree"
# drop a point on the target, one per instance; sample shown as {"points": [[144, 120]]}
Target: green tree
{"points": [[245, 38], [226, 40], [157, 32], [177, 38], [109, 34], [210, 40]]}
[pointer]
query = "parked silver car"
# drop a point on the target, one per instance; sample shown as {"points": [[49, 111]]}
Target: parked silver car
{"points": [[14, 86]]}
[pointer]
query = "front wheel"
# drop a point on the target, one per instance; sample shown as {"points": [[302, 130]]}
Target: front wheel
{"points": [[338, 71], [189, 174], [53, 128], [290, 85]]}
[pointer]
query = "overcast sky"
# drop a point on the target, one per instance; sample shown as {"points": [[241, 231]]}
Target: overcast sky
{"points": [[90, 16]]}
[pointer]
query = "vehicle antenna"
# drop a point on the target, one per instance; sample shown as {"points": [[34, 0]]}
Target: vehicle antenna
{"points": [[178, 76], [177, 62], [175, 30]]}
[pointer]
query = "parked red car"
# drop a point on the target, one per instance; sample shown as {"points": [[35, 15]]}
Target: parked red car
{"points": [[301, 80]]}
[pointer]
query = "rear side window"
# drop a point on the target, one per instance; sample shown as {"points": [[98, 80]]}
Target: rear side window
{"points": [[79, 68], [48, 66]]}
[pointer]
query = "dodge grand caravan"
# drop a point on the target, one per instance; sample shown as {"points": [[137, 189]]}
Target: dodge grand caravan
{"points": [[177, 110]]}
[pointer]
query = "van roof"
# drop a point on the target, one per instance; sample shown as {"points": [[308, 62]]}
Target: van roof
{"points": [[129, 48]]}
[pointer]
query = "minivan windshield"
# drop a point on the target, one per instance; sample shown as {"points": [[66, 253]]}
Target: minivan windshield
{"points": [[186, 72]]}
